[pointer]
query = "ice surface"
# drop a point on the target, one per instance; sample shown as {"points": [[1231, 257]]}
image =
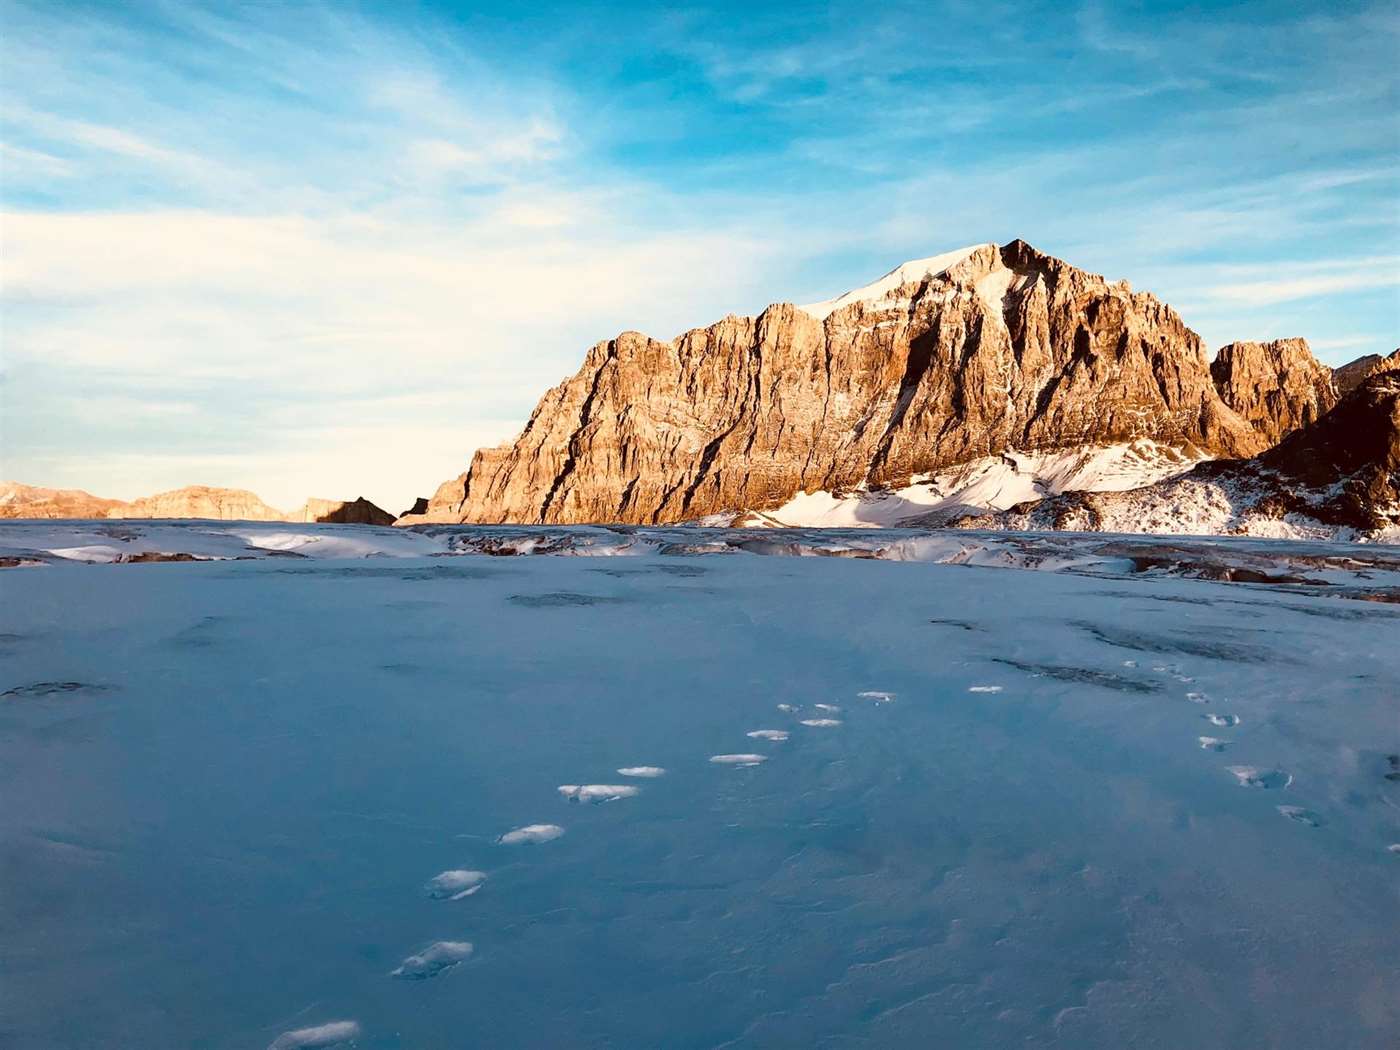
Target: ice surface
{"points": [[227, 787]]}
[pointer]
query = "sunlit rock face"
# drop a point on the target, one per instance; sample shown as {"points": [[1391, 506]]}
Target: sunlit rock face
{"points": [[945, 360], [1278, 386]]}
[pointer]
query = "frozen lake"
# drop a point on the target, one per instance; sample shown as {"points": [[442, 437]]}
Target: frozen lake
{"points": [[1099, 808]]}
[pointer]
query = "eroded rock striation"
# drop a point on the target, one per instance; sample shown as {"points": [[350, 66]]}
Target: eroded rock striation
{"points": [[1278, 386], [943, 361]]}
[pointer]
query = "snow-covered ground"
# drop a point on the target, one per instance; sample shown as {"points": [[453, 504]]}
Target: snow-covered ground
{"points": [[687, 799]]}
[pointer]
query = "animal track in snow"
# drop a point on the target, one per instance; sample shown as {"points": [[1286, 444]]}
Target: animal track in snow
{"points": [[738, 760], [984, 689], [776, 735], [1251, 776], [454, 885], [432, 960], [1212, 743], [1224, 721], [1198, 698], [877, 696], [321, 1035], [821, 723], [642, 771], [531, 833], [833, 708], [1301, 815], [787, 709], [597, 792]]}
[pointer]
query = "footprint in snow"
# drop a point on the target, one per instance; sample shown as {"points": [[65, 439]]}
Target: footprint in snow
{"points": [[647, 772], [833, 708], [1301, 815], [787, 709], [1251, 776], [333, 1033], [1212, 743], [876, 696], [531, 833], [821, 723], [433, 960], [1198, 698], [984, 689], [1224, 721], [454, 885], [738, 760], [597, 792], [775, 735]]}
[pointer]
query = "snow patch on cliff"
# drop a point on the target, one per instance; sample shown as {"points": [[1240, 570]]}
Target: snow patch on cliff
{"points": [[905, 273], [989, 483]]}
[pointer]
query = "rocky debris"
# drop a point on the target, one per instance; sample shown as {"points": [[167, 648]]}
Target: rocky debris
{"points": [[1006, 348], [358, 511], [1278, 386], [1354, 373], [31, 501], [1338, 477]]}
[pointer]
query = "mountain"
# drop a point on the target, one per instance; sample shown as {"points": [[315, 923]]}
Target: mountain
{"points": [[200, 501], [943, 367], [194, 501], [1278, 387], [1338, 477], [31, 501], [1351, 375], [355, 512]]}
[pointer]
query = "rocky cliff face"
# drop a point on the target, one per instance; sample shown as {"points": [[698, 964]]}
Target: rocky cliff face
{"points": [[1278, 387], [941, 362], [200, 501]]}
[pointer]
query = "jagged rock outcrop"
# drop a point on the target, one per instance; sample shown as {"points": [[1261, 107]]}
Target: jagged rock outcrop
{"points": [[358, 511], [31, 501], [200, 501], [1278, 386], [1339, 476], [1352, 374], [943, 361], [420, 506]]}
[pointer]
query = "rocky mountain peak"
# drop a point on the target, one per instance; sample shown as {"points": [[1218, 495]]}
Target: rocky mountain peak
{"points": [[943, 360]]}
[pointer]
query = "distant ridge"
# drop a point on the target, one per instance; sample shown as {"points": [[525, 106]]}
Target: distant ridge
{"points": [[192, 502]]}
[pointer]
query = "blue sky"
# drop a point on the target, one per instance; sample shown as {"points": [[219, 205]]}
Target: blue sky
{"points": [[329, 249]]}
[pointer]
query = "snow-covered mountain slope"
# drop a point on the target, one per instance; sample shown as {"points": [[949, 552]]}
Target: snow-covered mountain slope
{"points": [[988, 483], [1336, 478], [882, 291]]}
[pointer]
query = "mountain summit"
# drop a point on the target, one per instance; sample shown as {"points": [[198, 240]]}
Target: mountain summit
{"points": [[943, 361]]}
